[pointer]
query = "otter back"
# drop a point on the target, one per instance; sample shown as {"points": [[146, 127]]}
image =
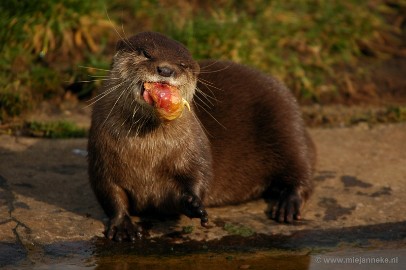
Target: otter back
{"points": [[257, 136]]}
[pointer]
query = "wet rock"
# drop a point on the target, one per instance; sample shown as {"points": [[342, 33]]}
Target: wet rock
{"points": [[351, 181]]}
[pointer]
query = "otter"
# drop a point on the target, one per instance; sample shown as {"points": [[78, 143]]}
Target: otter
{"points": [[242, 138]]}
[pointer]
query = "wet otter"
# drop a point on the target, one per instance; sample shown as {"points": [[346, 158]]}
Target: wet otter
{"points": [[242, 139]]}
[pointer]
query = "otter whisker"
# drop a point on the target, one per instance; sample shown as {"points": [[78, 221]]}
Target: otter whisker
{"points": [[208, 83], [201, 125], [128, 96], [213, 71], [96, 80], [208, 113], [142, 115], [202, 101], [212, 64], [136, 108], [101, 76], [208, 97], [115, 103], [125, 35], [123, 112], [87, 67], [104, 94], [144, 119], [133, 100], [124, 39]]}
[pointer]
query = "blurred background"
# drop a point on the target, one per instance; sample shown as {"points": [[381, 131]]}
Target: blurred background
{"points": [[335, 56]]}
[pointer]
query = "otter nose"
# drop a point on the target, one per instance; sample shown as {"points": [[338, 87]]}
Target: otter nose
{"points": [[165, 71]]}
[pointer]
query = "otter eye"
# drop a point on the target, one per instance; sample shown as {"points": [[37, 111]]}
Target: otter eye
{"points": [[183, 65], [145, 54]]}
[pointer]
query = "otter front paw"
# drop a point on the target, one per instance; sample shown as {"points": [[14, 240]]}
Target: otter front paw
{"points": [[122, 228], [193, 208], [287, 207]]}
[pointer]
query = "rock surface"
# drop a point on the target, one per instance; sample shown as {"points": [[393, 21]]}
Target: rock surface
{"points": [[45, 198]]}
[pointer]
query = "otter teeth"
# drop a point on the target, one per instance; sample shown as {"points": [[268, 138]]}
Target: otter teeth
{"points": [[185, 103]]}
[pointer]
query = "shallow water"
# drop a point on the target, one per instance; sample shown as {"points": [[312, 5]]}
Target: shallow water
{"points": [[381, 246], [233, 253]]}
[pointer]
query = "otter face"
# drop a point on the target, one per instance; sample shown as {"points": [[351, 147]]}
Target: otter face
{"points": [[153, 59]]}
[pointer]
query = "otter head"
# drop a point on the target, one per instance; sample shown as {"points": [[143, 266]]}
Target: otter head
{"points": [[159, 71]]}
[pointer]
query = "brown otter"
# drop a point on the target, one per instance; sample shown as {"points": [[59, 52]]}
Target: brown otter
{"points": [[242, 139]]}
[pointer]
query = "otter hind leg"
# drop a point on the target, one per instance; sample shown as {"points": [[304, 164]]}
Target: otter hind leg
{"points": [[285, 206]]}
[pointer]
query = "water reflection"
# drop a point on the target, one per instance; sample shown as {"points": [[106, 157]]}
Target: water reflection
{"points": [[306, 249]]}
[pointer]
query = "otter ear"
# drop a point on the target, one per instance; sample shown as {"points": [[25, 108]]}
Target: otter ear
{"points": [[124, 45], [120, 45]]}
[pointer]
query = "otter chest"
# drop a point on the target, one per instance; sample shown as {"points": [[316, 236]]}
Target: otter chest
{"points": [[149, 169]]}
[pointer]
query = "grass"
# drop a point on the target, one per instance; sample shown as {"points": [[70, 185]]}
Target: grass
{"points": [[40, 42], [314, 46], [302, 42], [55, 130], [238, 230]]}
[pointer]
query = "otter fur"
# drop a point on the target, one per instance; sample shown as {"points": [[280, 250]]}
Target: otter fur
{"points": [[243, 139]]}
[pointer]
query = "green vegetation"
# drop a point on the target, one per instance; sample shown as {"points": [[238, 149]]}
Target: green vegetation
{"points": [[314, 46], [238, 230], [41, 43], [187, 229], [301, 41], [55, 130]]}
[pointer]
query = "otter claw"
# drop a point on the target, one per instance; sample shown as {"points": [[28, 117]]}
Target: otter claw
{"points": [[286, 208], [193, 208], [122, 229]]}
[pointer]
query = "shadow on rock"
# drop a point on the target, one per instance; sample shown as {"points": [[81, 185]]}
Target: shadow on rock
{"points": [[49, 171]]}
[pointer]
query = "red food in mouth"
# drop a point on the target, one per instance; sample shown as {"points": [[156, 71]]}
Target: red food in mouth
{"points": [[166, 99], [147, 97]]}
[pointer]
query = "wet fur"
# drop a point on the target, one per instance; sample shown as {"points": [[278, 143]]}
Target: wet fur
{"points": [[243, 139]]}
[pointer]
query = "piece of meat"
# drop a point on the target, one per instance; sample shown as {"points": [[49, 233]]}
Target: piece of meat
{"points": [[166, 99]]}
